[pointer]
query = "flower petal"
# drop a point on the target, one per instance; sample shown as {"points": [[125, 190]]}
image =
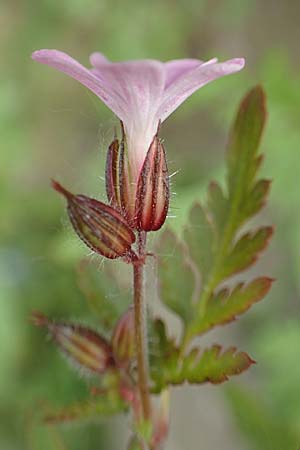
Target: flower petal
{"points": [[178, 67], [139, 86], [98, 58], [193, 80], [63, 62]]}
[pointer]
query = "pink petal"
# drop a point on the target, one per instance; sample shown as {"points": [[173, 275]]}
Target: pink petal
{"points": [[98, 58], [177, 67], [191, 81], [63, 62], [139, 86]]}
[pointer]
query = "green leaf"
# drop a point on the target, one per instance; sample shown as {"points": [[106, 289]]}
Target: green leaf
{"points": [[246, 251], [214, 365], [170, 366], [244, 139], [256, 200], [225, 305], [212, 233], [177, 279], [103, 406], [102, 292]]}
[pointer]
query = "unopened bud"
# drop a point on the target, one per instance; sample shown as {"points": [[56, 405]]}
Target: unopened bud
{"points": [[123, 339], [152, 196], [127, 186], [120, 188], [111, 174], [83, 346], [99, 226]]}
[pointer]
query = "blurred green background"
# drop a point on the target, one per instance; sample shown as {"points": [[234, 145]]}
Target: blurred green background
{"points": [[50, 126]]}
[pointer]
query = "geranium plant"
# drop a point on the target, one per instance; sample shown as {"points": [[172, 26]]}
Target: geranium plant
{"points": [[135, 359]]}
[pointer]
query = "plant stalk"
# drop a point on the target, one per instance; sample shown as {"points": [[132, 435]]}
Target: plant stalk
{"points": [[140, 328]]}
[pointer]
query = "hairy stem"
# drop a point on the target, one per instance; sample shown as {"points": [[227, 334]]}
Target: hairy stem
{"points": [[140, 329]]}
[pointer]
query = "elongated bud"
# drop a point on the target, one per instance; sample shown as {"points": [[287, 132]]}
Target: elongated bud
{"points": [[127, 186], [123, 339], [111, 174], [120, 187], [101, 227], [152, 196], [83, 346]]}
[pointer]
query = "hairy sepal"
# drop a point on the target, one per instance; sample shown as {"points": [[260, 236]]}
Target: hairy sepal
{"points": [[99, 226], [153, 192]]}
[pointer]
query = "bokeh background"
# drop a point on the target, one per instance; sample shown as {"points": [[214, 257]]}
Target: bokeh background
{"points": [[50, 126]]}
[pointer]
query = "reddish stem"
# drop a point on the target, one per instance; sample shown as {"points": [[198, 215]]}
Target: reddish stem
{"points": [[140, 328]]}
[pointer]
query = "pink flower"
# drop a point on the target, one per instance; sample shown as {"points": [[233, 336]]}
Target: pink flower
{"points": [[141, 93]]}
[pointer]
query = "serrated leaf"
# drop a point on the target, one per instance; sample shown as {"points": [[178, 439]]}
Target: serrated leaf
{"points": [[228, 212], [246, 251], [256, 200], [215, 366], [107, 405], [102, 293], [226, 305], [177, 280], [199, 236], [243, 161], [210, 365], [244, 139], [170, 366]]}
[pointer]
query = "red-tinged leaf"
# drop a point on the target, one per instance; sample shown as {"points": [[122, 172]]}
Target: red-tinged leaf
{"points": [[215, 366], [199, 236], [226, 305], [169, 366], [228, 212], [211, 365], [177, 279], [256, 200], [246, 251]]}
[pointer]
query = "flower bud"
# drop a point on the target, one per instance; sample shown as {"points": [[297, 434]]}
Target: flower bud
{"points": [[83, 346], [99, 226], [152, 196], [120, 187], [123, 338], [127, 186], [111, 174]]}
